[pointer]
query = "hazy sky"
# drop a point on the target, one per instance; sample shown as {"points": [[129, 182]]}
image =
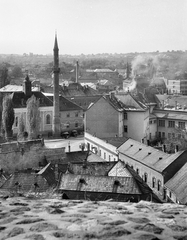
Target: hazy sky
{"points": [[92, 26]]}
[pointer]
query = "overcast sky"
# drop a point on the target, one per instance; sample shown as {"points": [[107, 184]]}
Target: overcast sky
{"points": [[92, 26]]}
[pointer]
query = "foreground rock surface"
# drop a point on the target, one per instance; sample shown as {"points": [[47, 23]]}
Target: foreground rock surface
{"points": [[49, 219]]}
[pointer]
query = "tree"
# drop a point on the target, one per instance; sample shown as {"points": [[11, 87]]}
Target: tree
{"points": [[178, 140], [33, 117], [8, 116], [16, 72], [21, 129]]}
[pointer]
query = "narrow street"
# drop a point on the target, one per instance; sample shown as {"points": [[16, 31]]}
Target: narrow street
{"points": [[74, 143]]}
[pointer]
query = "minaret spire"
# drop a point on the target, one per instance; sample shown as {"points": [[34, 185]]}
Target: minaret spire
{"points": [[56, 71]]}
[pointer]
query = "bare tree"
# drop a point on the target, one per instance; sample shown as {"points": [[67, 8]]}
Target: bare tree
{"points": [[8, 116], [33, 117]]}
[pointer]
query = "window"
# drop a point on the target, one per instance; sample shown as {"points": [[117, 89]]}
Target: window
{"points": [[115, 186], [109, 157], [163, 134], [67, 125], [68, 115], [125, 128], [48, 119], [170, 194], [173, 135], [125, 115], [161, 123], [104, 155], [150, 121], [99, 152], [158, 185], [169, 135], [159, 134], [76, 114], [171, 124], [80, 183], [182, 125], [145, 177], [76, 124], [137, 171], [16, 122], [153, 182]]}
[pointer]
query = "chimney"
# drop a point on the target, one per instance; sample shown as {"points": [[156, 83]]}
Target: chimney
{"points": [[175, 105], [77, 71]]}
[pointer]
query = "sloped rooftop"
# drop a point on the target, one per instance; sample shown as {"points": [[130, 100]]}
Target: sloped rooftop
{"points": [[147, 155], [99, 183], [178, 184]]}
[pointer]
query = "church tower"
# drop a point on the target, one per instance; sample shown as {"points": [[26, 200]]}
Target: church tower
{"points": [[56, 71]]}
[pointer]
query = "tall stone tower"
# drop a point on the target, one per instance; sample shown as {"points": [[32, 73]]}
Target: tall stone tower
{"points": [[56, 71]]}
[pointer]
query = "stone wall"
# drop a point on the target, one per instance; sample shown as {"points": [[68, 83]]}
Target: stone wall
{"points": [[27, 155]]}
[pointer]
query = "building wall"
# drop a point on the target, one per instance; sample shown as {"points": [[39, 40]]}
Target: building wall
{"points": [[102, 119], [71, 120], [101, 148], [141, 169], [75, 117], [138, 125]]}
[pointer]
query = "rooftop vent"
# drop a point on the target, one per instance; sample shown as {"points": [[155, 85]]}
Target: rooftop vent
{"points": [[140, 149], [149, 153], [131, 145], [160, 158]]}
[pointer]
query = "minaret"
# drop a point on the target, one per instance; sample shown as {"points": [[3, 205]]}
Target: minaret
{"points": [[56, 70]]}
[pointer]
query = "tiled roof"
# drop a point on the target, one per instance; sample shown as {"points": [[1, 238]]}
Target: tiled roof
{"points": [[120, 170], [66, 104], [131, 102], [19, 99], [127, 185], [147, 155], [92, 168], [115, 102], [48, 173], [178, 184]]}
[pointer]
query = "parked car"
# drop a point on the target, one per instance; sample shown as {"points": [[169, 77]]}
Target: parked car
{"points": [[65, 134], [74, 133]]}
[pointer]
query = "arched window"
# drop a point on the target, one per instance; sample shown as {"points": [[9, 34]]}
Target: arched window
{"points": [[48, 119], [158, 185], [153, 182], [145, 177], [67, 125]]}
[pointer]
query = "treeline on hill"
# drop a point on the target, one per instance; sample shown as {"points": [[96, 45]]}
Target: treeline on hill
{"points": [[171, 64]]}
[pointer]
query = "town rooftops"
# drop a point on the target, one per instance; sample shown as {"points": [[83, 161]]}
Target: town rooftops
{"points": [[147, 155], [178, 184]]}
